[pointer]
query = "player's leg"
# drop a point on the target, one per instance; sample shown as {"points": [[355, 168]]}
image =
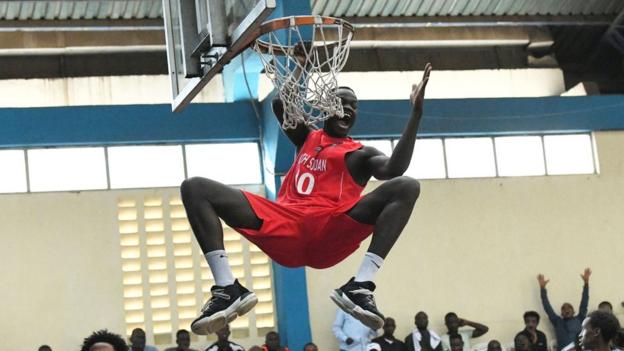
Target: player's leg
{"points": [[206, 201], [388, 209]]}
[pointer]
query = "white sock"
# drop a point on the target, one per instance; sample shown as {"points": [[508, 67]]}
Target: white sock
{"points": [[220, 267], [369, 267]]}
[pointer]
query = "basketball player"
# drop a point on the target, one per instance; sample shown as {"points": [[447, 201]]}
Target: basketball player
{"points": [[319, 217]]}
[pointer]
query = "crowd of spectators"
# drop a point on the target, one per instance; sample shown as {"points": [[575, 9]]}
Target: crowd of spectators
{"points": [[596, 331]]}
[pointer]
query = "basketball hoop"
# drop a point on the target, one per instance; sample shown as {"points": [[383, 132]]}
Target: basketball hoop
{"points": [[304, 66]]}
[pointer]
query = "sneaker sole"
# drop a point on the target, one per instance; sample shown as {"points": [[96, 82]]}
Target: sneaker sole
{"points": [[211, 324], [369, 319]]}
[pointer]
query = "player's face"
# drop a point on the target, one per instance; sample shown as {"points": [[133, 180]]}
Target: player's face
{"points": [[340, 127]]}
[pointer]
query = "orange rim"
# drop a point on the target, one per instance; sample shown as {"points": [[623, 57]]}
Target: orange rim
{"points": [[296, 21]]}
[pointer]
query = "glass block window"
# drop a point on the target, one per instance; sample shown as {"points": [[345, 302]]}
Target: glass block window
{"points": [[166, 279]]}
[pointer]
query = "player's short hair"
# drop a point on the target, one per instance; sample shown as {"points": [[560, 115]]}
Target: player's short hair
{"points": [[344, 87], [606, 322], [116, 341], [533, 314]]}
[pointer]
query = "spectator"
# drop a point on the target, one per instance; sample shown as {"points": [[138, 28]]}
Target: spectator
{"points": [[598, 329], [352, 334], [255, 348], [605, 306], [387, 341], [223, 342], [456, 342], [494, 345], [272, 342], [567, 326], [453, 323], [618, 340], [522, 343], [103, 340], [537, 339], [137, 340], [310, 347], [183, 340], [45, 348], [422, 338]]}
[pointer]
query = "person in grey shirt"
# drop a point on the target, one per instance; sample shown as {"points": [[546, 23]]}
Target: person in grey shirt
{"points": [[567, 326]]}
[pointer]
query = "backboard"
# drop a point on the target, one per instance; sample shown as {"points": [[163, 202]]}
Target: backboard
{"points": [[202, 36]]}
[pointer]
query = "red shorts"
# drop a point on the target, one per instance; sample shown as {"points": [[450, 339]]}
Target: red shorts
{"points": [[294, 238]]}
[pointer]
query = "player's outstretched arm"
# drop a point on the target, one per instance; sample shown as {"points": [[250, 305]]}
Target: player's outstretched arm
{"points": [[397, 163], [298, 134]]}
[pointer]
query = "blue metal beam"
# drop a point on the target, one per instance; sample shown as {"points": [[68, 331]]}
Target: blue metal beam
{"points": [[130, 124]]}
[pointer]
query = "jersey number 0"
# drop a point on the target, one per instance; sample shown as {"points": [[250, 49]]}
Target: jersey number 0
{"points": [[305, 184]]}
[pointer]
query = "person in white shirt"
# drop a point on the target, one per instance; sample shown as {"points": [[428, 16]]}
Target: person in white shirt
{"points": [[352, 334], [453, 323]]}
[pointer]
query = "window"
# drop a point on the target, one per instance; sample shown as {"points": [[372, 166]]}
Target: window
{"points": [[427, 160], [232, 163], [470, 157], [13, 174], [165, 277], [67, 169], [384, 146], [145, 166], [569, 154], [520, 156]]}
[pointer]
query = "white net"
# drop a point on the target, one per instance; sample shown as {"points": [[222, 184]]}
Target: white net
{"points": [[302, 56]]}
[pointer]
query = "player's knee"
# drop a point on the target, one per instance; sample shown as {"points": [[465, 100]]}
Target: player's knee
{"points": [[191, 187], [408, 188]]}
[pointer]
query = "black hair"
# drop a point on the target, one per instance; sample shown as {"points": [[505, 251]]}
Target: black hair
{"points": [[606, 322], [116, 341], [449, 315], [181, 331], [605, 303], [310, 344], [345, 87], [44, 347], [534, 314]]}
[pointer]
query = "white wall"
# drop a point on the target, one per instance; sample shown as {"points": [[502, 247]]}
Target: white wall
{"points": [[475, 246]]}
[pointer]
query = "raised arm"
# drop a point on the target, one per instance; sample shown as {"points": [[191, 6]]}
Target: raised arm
{"points": [[554, 319], [383, 167], [479, 329], [298, 134], [585, 297]]}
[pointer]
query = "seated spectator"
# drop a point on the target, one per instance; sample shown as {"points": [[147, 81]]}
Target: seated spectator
{"points": [[45, 348], [618, 340], [352, 334], [183, 340], [137, 341], [567, 326], [223, 342], [272, 342], [103, 340], [456, 342], [599, 328], [387, 341], [310, 347], [422, 339], [522, 343], [605, 306], [537, 339], [494, 345], [453, 323], [255, 348]]}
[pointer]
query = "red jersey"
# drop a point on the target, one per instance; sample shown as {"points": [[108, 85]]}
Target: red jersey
{"points": [[319, 178]]}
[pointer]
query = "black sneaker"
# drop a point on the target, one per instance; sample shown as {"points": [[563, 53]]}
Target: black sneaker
{"points": [[356, 299], [223, 307]]}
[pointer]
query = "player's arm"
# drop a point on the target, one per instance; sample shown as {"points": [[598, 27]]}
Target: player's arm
{"points": [[389, 167], [297, 135]]}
